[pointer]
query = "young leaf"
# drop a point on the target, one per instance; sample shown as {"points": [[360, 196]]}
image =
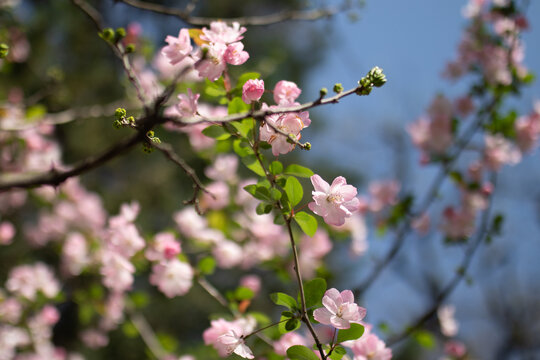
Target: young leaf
{"points": [[314, 291], [307, 223], [338, 353], [352, 333], [237, 105], [284, 300], [276, 167], [294, 190], [244, 127], [206, 265], [216, 132], [252, 164], [242, 148], [300, 352], [292, 324], [298, 170], [245, 77]]}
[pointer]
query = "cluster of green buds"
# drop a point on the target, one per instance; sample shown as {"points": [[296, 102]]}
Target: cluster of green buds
{"points": [[338, 88], [121, 119], [375, 77], [113, 36], [4, 50], [147, 146]]}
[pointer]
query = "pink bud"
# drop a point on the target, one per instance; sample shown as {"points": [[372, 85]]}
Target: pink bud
{"points": [[252, 90]]}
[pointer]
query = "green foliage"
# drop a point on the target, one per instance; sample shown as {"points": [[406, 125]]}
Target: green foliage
{"points": [[338, 353], [298, 171], [314, 291], [216, 132], [299, 352], [294, 190], [352, 333], [206, 265], [251, 162], [425, 339], [276, 167], [284, 300], [307, 223]]}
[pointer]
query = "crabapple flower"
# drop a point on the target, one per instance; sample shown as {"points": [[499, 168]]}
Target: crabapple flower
{"points": [[339, 310], [449, 324], [221, 327], [370, 347], [7, 232], [172, 277], [234, 343], [383, 193], [333, 202], [499, 151], [165, 247], [178, 48], [290, 123], [286, 92], [252, 90], [222, 33], [187, 106], [235, 54], [286, 341]]}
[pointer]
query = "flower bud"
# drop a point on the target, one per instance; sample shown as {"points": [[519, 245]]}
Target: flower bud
{"points": [[120, 113], [338, 88], [119, 34], [307, 146], [4, 50], [377, 77], [107, 34], [323, 92], [130, 48]]}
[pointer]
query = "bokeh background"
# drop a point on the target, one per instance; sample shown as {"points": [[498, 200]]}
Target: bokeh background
{"points": [[363, 138]]}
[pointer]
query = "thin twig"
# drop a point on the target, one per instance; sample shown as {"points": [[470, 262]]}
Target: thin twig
{"points": [[482, 233], [147, 334], [185, 15]]}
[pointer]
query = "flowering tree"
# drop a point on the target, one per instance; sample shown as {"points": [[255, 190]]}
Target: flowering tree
{"points": [[266, 218]]}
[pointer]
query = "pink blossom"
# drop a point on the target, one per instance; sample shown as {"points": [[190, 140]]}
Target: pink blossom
{"points": [[187, 107], [28, 280], [217, 196], [290, 123], [252, 90], [334, 202], [173, 277], [165, 247], [527, 132], [317, 246], [370, 347], [383, 193], [219, 327], [75, 254], [457, 224], [499, 151], [464, 105], [286, 92], [339, 310], [455, 348], [449, 325], [223, 168], [228, 254], [421, 223], [117, 271], [114, 311], [235, 54], [178, 48], [49, 315], [189, 221], [220, 32], [10, 310], [252, 282], [234, 343], [94, 338], [7, 232], [213, 65], [286, 341]]}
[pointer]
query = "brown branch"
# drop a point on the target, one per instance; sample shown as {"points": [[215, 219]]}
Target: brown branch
{"points": [[185, 15], [168, 151], [147, 334], [482, 233]]}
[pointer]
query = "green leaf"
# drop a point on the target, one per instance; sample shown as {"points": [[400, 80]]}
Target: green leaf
{"points": [[284, 300], [129, 330], [275, 194], [298, 170], [294, 190], [263, 208], [244, 127], [216, 132], [244, 293], [307, 223], [314, 291], [207, 265], [245, 77], [292, 324], [276, 167], [352, 333], [300, 352], [241, 148], [424, 339], [259, 192], [252, 164], [139, 299], [338, 353], [237, 105]]}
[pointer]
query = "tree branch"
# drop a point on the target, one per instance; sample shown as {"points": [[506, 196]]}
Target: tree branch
{"points": [[185, 15]]}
